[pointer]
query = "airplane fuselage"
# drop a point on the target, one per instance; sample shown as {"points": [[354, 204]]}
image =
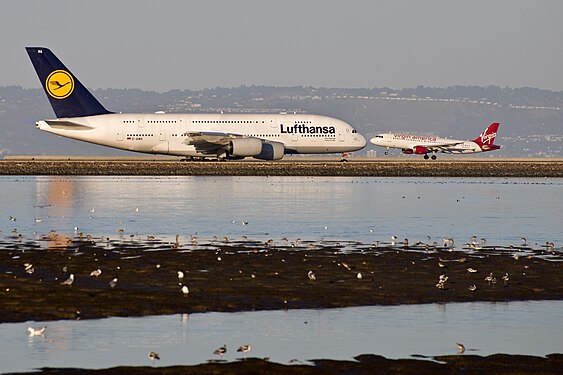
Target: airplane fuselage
{"points": [[169, 133], [410, 142]]}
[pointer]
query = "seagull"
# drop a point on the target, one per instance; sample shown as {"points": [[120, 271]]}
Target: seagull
{"points": [[311, 276], [69, 281], [460, 348], [36, 332], [96, 273], [505, 279], [153, 356], [113, 283], [185, 290], [221, 351]]}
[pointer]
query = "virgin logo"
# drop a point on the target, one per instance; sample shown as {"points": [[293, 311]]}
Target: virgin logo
{"points": [[488, 138]]}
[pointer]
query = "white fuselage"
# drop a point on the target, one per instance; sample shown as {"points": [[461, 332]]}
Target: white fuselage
{"points": [[409, 142], [167, 133]]}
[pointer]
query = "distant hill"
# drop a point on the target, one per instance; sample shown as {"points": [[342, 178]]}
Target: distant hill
{"points": [[531, 119]]}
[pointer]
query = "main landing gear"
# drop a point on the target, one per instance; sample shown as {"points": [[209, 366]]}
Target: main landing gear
{"points": [[387, 151], [426, 157]]}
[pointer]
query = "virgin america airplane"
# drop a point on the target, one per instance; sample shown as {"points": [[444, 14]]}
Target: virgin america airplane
{"points": [[414, 144], [206, 135]]}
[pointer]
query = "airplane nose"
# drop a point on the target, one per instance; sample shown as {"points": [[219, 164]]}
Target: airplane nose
{"points": [[362, 140]]}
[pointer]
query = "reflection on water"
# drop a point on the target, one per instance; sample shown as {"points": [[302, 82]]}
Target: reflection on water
{"points": [[393, 331], [344, 209]]}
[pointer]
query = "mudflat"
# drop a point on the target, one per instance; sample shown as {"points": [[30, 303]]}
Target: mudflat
{"points": [[236, 275], [240, 275]]}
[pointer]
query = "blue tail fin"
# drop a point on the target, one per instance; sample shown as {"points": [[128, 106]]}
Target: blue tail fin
{"points": [[68, 97]]}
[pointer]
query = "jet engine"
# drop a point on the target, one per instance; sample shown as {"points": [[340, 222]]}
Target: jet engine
{"points": [[419, 150], [245, 147], [271, 151]]}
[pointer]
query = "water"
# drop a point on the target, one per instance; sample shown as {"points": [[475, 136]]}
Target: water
{"points": [[341, 209], [354, 209], [392, 331]]}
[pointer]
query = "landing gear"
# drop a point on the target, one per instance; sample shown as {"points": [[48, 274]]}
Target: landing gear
{"points": [[387, 151], [433, 157], [426, 156], [343, 157]]}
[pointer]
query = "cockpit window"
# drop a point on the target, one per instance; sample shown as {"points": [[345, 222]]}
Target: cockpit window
{"points": [[354, 131]]}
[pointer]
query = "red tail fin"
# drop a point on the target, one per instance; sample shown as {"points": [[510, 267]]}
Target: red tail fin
{"points": [[487, 138]]}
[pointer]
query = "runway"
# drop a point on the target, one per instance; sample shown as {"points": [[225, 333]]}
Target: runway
{"points": [[290, 166]]}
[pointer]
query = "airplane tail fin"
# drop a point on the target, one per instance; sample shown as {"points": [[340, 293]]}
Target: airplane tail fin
{"points": [[68, 97], [487, 139]]}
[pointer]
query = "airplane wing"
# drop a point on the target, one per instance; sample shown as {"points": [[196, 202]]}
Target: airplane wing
{"points": [[210, 142], [446, 148]]}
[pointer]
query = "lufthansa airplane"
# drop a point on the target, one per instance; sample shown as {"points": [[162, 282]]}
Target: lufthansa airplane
{"points": [[222, 136], [414, 144]]}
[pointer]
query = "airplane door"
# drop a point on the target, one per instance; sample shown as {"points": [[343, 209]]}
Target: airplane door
{"points": [[120, 135], [162, 136], [340, 136], [140, 122]]}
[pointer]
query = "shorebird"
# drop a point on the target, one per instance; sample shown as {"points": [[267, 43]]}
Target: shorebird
{"points": [[69, 281], [460, 348], [37, 220], [489, 279], [113, 283], [311, 276], [244, 349], [36, 332], [185, 290], [153, 356], [221, 351], [359, 276], [180, 276], [472, 287], [12, 218], [471, 270], [96, 273], [505, 279]]}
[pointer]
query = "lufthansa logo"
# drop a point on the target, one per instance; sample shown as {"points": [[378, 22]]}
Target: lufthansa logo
{"points": [[60, 84]]}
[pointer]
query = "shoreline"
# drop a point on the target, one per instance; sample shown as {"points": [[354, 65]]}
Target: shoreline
{"points": [[245, 275], [361, 364], [355, 167]]}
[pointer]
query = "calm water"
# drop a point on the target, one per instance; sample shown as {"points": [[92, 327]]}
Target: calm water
{"points": [[342, 209], [392, 331], [355, 209]]}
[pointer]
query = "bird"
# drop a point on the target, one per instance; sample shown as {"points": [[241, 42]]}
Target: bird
{"points": [[460, 348], [69, 281], [472, 287], [13, 218], [221, 351], [489, 279], [37, 220], [96, 273], [311, 276], [244, 349], [36, 332], [180, 276], [471, 270], [359, 275], [505, 279], [185, 290], [153, 356], [113, 283]]}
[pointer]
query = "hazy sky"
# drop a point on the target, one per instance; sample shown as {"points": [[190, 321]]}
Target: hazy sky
{"points": [[163, 45]]}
